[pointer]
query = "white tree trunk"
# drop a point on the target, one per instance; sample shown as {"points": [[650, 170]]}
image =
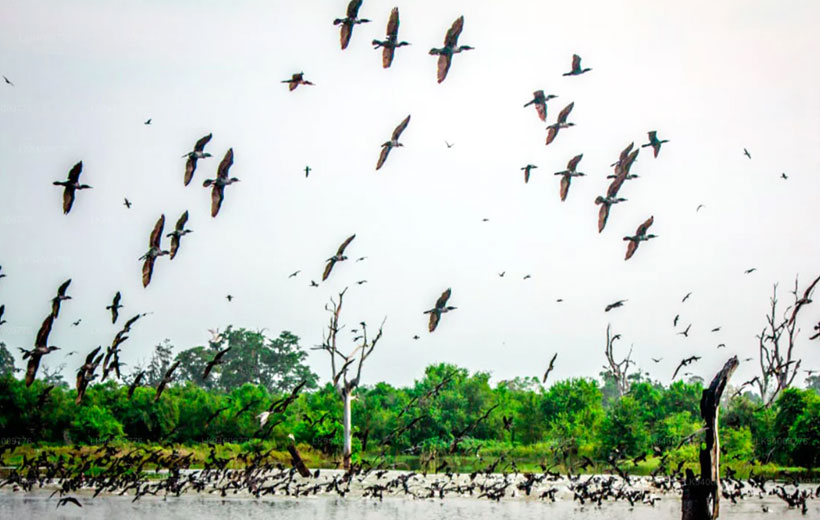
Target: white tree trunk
{"points": [[348, 447]]}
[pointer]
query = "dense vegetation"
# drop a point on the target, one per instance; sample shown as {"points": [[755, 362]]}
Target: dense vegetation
{"points": [[561, 423]]}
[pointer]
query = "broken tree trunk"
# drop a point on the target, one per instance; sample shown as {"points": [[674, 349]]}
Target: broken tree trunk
{"points": [[701, 493]]}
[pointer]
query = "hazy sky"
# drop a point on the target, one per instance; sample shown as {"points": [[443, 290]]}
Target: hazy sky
{"points": [[712, 77]]}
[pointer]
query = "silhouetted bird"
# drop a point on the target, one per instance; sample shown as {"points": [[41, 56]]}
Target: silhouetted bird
{"points": [[568, 174], [115, 307], [440, 308], [338, 257], [540, 102], [576, 67], [126, 203], [654, 142], [560, 123], [614, 305], [197, 153], [349, 21], [746, 153], [393, 142], [451, 47], [165, 380], [307, 171], [527, 169], [71, 185], [639, 236], [153, 252], [178, 232], [217, 360], [549, 368], [391, 41], [685, 362], [61, 297], [222, 180], [295, 80], [148, 121]]}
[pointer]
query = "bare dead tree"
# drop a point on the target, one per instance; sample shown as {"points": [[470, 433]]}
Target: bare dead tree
{"points": [[340, 369], [618, 369], [776, 342]]}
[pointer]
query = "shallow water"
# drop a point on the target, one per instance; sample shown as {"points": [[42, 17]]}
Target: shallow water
{"points": [[37, 505]]}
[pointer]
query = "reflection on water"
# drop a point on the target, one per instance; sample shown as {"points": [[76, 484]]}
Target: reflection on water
{"points": [[20, 506]]}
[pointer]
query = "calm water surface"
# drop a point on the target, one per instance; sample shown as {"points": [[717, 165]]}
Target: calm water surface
{"points": [[37, 505]]}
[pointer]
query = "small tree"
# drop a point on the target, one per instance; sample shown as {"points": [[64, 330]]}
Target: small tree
{"points": [[618, 371], [339, 369], [160, 361], [6, 361], [778, 364]]}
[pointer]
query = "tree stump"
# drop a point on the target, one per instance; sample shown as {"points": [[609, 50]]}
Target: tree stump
{"points": [[701, 496]]}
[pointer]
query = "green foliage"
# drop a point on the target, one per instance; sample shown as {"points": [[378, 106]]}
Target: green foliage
{"points": [[6, 361]]}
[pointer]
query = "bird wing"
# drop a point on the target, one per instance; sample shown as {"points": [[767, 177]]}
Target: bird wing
{"points": [[645, 226], [68, 199], [656, 148], [344, 35], [383, 156], [451, 38], [541, 109], [181, 221], [631, 248], [225, 165], [387, 55], [573, 163], [174, 245], [442, 300], [74, 174], [435, 316], [31, 368], [443, 66], [147, 270], [353, 8], [156, 234], [682, 363], [399, 129], [576, 62], [217, 194], [652, 136], [553, 131], [393, 23], [200, 145], [603, 214], [190, 167], [348, 240], [565, 182], [45, 330], [562, 116], [328, 268], [63, 287]]}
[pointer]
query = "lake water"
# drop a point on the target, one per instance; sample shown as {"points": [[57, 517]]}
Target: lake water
{"points": [[37, 505]]}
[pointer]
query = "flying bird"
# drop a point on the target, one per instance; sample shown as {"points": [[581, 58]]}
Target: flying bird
{"points": [[77, 323], [126, 203], [148, 121], [750, 270], [527, 276], [154, 250], [349, 21], [784, 176], [165, 380], [307, 171], [639, 236], [193, 156], [393, 142], [313, 284], [685, 332], [391, 41], [69, 500], [71, 185], [657, 360], [295, 80], [501, 274], [527, 169], [217, 360], [576, 67], [549, 368], [746, 153], [568, 174], [135, 383], [451, 47], [700, 206], [229, 298], [291, 275], [338, 257], [8, 81], [675, 321], [40, 349], [654, 142], [178, 232], [440, 308], [686, 362], [804, 300], [2, 310], [222, 180], [686, 297], [622, 167], [61, 297], [115, 307], [560, 123], [716, 329], [539, 100], [614, 305]]}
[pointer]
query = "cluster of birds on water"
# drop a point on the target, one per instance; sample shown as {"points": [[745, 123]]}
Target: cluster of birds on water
{"points": [[258, 474]]}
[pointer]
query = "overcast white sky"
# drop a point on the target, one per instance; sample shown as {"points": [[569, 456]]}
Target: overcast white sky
{"points": [[711, 77]]}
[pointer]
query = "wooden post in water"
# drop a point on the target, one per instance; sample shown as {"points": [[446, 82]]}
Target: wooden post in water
{"points": [[697, 492]]}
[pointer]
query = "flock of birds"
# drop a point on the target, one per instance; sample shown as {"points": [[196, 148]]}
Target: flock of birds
{"points": [[261, 478], [255, 473]]}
